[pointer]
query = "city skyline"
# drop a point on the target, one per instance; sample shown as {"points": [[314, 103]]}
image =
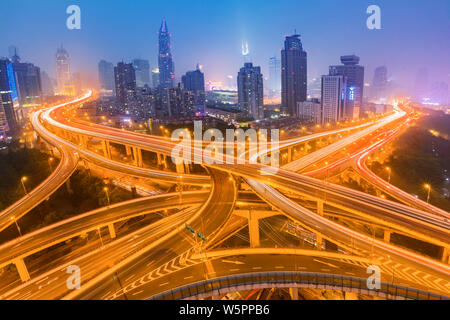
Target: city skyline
{"points": [[375, 47]]}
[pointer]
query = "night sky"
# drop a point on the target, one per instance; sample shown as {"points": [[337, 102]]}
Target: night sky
{"points": [[414, 33]]}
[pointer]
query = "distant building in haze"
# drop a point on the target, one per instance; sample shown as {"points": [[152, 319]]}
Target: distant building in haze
{"points": [[11, 110], [165, 60], [63, 79], [333, 99], [354, 74], [125, 83], [47, 84], [274, 77], [12, 51], [194, 81], [142, 70], [293, 74], [106, 78], [251, 91], [380, 83]]}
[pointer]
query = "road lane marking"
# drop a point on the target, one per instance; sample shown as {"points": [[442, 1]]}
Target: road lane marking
{"points": [[232, 261], [257, 268], [326, 263], [136, 293], [185, 278], [163, 284]]}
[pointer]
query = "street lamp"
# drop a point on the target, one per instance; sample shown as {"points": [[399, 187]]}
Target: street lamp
{"points": [[23, 179], [107, 195], [388, 169], [50, 161], [18, 228], [428, 187]]}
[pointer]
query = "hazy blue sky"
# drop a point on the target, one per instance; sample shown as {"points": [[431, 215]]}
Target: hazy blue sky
{"points": [[414, 33]]}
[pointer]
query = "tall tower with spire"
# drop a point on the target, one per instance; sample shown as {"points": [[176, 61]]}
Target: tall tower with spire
{"points": [[165, 60]]}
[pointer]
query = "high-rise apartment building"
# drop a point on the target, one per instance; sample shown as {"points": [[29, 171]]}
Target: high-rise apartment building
{"points": [[310, 111], [251, 91], [333, 99], [125, 83], [106, 78], [293, 74], [194, 81]]}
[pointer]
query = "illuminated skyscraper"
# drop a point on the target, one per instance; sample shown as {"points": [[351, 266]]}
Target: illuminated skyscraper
{"points": [[293, 74], [28, 81], [11, 110], [354, 74], [4, 128], [165, 60], [63, 71], [142, 70], [250, 91]]}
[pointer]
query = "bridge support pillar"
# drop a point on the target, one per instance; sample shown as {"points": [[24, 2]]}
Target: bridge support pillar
{"points": [[320, 207], [129, 152], [137, 153], [446, 255], [158, 159], [253, 229], [294, 293], [161, 160], [319, 241], [112, 231], [22, 269], [387, 236], [180, 166], [106, 149], [289, 155]]}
